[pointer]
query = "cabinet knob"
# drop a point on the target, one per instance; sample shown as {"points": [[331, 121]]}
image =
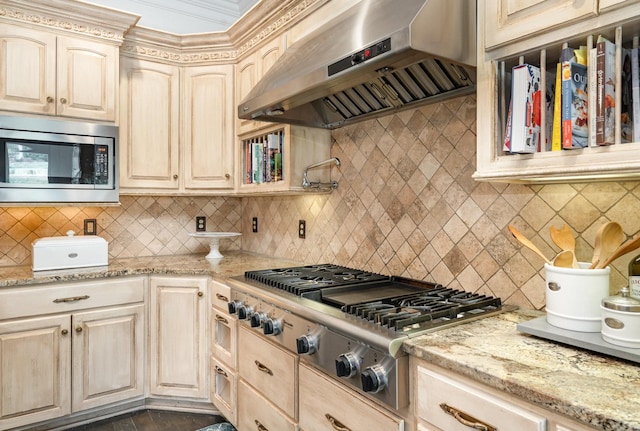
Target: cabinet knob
{"points": [[64, 332], [63, 100], [200, 293], [227, 176], [49, 99], [175, 176], [79, 329]]}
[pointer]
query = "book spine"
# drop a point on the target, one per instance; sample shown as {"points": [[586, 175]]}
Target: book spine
{"points": [[635, 92], [593, 94], [556, 137], [600, 62], [626, 108], [606, 106], [567, 142]]}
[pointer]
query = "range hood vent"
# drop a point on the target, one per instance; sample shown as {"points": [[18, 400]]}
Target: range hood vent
{"points": [[378, 57]]}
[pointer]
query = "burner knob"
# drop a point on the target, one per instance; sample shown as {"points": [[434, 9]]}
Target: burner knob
{"points": [[258, 319], [374, 379], [233, 306], [244, 311], [272, 327], [307, 344], [346, 365]]}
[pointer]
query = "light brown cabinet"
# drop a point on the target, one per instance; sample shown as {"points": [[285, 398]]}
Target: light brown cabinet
{"points": [[65, 348], [176, 128], [179, 347], [57, 75]]}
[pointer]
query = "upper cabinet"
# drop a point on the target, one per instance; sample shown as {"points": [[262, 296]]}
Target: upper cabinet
{"points": [[519, 19], [249, 70], [499, 50], [61, 68]]}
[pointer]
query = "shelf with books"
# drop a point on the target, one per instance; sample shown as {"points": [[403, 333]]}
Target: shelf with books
{"points": [[273, 158], [556, 107]]}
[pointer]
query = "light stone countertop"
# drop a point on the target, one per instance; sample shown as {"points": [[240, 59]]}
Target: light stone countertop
{"points": [[594, 389], [234, 263]]}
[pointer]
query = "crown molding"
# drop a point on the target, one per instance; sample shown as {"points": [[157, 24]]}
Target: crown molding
{"points": [[71, 16]]}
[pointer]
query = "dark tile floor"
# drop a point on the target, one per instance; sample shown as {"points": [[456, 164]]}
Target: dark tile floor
{"points": [[153, 420]]}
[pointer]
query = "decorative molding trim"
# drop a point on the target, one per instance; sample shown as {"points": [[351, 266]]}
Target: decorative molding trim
{"points": [[139, 49], [87, 20]]}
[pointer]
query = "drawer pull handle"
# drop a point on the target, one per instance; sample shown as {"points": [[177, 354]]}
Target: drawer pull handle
{"points": [[260, 426], [221, 372], [222, 297], [263, 368], [336, 424], [466, 419], [71, 299], [219, 318]]}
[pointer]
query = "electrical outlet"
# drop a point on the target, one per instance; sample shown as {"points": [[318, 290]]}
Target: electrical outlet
{"points": [[254, 224], [90, 226], [201, 224], [302, 228]]}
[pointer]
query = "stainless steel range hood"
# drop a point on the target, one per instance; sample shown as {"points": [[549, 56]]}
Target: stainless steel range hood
{"points": [[377, 57]]}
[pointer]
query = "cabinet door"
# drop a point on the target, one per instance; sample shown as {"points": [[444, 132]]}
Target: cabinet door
{"points": [[87, 79], [224, 337], [27, 79], [208, 124], [35, 370], [515, 19], [327, 406], [149, 125], [108, 356], [178, 327], [224, 388]]}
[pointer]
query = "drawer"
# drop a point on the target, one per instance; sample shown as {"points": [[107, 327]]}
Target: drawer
{"points": [[225, 336], [271, 370], [65, 297], [435, 391], [327, 406], [221, 296], [256, 413], [224, 389]]}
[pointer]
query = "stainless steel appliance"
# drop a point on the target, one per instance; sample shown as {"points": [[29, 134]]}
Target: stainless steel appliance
{"points": [[56, 161], [376, 57], [351, 323]]}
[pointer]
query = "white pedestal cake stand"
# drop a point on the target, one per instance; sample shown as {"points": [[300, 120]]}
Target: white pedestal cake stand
{"points": [[214, 241]]}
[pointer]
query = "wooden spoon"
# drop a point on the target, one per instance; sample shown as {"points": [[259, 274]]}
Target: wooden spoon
{"points": [[625, 248], [564, 239], [608, 239], [565, 259], [527, 243]]}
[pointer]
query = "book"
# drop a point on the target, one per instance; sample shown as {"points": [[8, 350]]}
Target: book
{"points": [[525, 109], [574, 102], [606, 86], [274, 157], [257, 162], [549, 101], [635, 92], [592, 96], [506, 146], [626, 108], [556, 134]]}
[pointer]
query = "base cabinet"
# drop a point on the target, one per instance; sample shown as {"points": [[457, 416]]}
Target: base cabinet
{"points": [[65, 348], [327, 406], [178, 337]]}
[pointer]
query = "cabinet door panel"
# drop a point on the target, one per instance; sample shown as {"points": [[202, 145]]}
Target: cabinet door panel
{"points": [[149, 124], [224, 388], [108, 349], [209, 124], [179, 348], [224, 338], [35, 365], [87, 79], [516, 19], [29, 85], [255, 412]]}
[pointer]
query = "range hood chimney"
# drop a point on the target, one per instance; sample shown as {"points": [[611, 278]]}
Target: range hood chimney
{"points": [[377, 57]]}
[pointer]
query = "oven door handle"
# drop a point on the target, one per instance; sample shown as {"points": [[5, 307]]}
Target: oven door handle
{"points": [[336, 424], [466, 419]]}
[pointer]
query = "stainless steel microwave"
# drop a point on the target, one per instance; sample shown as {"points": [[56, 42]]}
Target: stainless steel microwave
{"points": [[56, 161]]}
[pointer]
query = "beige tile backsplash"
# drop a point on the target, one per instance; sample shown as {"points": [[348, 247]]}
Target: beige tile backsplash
{"points": [[406, 205]]}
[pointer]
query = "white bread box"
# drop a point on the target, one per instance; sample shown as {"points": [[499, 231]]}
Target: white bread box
{"points": [[62, 252]]}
